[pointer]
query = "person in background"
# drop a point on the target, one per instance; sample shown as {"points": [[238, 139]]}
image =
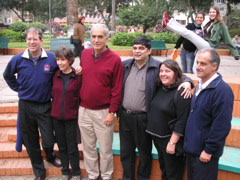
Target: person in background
{"points": [[64, 112], [100, 94], [215, 32], [167, 120], [34, 69], [78, 36], [209, 121], [236, 42], [189, 49]]}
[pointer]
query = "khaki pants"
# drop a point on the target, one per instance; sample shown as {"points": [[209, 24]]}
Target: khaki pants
{"points": [[93, 129]]}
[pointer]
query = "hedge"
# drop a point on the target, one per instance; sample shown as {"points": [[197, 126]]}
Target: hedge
{"points": [[126, 39], [14, 36]]}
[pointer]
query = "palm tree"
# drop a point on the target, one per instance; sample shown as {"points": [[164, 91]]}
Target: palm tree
{"points": [[72, 13]]}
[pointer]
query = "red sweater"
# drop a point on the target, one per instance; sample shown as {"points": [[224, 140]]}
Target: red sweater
{"points": [[65, 104], [102, 78]]}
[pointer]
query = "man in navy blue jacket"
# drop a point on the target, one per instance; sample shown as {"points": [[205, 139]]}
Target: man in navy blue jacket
{"points": [[209, 121], [34, 69]]}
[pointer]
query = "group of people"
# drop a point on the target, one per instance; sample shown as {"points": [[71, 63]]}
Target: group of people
{"points": [[195, 36], [151, 98]]}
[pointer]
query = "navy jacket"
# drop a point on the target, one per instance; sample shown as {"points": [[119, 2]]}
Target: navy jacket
{"points": [[33, 82], [209, 121]]}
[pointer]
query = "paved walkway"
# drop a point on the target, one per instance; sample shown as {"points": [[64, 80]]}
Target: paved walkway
{"points": [[229, 68]]}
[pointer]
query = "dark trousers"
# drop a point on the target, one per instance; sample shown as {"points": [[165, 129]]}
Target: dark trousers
{"points": [[133, 134], [198, 170], [66, 136], [78, 47], [172, 166], [34, 116]]}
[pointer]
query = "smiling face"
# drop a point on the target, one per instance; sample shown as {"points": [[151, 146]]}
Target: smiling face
{"points": [[141, 53], [63, 64], [212, 14], [205, 69], [99, 40], [34, 43], [199, 19], [166, 76]]}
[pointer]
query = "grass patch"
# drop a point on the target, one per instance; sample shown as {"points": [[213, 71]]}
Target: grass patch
{"points": [[46, 45]]}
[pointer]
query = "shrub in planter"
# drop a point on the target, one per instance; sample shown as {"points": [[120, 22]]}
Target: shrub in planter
{"points": [[14, 36], [126, 39], [37, 25], [18, 26], [234, 31]]}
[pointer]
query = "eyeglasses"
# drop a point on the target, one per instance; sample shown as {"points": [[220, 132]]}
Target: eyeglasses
{"points": [[140, 48]]}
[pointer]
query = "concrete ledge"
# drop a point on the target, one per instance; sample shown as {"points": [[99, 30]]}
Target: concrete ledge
{"points": [[222, 52]]}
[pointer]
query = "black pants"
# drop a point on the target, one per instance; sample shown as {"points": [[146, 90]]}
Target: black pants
{"points": [[133, 134], [198, 170], [172, 166], [78, 47], [34, 116], [66, 135]]}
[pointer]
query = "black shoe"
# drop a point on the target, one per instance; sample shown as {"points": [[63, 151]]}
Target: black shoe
{"points": [[56, 162], [236, 57], [40, 177]]}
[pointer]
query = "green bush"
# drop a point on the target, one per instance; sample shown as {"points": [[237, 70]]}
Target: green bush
{"points": [[37, 25], [126, 39], [234, 31], [14, 36], [18, 26]]}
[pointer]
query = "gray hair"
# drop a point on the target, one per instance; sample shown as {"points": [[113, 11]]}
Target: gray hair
{"points": [[214, 57], [103, 26], [35, 30]]}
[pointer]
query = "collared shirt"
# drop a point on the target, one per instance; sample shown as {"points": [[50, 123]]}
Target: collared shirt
{"points": [[134, 91], [201, 86]]}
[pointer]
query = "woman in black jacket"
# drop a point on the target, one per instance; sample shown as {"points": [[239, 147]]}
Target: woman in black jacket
{"points": [[167, 120]]}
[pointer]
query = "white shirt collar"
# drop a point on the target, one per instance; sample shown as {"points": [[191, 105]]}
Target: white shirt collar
{"points": [[204, 85], [26, 54]]}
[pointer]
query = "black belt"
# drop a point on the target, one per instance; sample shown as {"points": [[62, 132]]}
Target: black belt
{"points": [[133, 112]]}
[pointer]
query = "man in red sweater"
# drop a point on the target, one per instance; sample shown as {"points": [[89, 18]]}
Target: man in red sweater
{"points": [[101, 94]]}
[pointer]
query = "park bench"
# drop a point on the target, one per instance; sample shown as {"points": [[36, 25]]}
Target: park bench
{"points": [[55, 43], [159, 45], [4, 44]]}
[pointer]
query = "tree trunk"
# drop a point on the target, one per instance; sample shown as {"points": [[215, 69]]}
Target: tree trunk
{"points": [[72, 13]]}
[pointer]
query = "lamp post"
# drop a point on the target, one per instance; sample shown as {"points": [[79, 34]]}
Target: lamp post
{"points": [[113, 15], [50, 16]]}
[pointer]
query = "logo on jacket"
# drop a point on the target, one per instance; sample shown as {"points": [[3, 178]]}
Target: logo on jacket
{"points": [[46, 68]]}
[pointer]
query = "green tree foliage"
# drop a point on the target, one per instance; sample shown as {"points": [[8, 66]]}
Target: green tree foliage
{"points": [[94, 7], [144, 13], [39, 8]]}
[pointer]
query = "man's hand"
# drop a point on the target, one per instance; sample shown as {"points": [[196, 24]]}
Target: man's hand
{"points": [[78, 70], [187, 89], [109, 119], [205, 157]]}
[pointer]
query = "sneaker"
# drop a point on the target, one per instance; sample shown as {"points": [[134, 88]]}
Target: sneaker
{"points": [[76, 178], [236, 57], [165, 19], [65, 177]]}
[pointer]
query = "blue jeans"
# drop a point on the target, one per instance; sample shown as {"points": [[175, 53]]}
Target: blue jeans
{"points": [[187, 60]]}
